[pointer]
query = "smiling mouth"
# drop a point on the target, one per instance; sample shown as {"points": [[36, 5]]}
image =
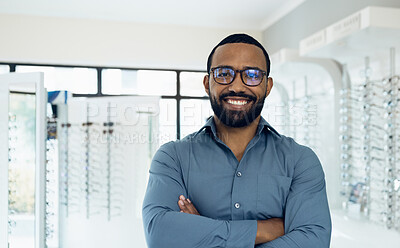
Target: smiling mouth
{"points": [[237, 102]]}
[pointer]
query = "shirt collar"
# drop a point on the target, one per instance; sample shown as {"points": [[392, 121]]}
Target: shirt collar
{"points": [[262, 125]]}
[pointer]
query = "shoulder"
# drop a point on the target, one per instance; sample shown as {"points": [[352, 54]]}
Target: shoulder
{"points": [[306, 162], [166, 153], [176, 149], [299, 157]]}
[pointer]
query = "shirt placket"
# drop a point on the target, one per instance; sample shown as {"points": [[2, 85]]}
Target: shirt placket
{"points": [[240, 181]]}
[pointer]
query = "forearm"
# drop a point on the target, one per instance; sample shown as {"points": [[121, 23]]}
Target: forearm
{"points": [[307, 237], [268, 230], [179, 230]]}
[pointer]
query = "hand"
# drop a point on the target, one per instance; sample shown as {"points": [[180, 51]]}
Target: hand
{"points": [[268, 230], [187, 206]]}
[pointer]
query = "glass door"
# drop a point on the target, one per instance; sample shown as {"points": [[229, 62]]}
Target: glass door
{"points": [[22, 165]]}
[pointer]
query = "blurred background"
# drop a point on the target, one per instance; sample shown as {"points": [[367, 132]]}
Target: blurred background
{"points": [[90, 89]]}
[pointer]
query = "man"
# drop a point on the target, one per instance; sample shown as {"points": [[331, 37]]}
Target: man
{"points": [[236, 182]]}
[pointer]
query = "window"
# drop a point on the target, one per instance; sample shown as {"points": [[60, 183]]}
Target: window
{"points": [[4, 69], [84, 81], [75, 80], [138, 82], [167, 121], [192, 84], [194, 114]]}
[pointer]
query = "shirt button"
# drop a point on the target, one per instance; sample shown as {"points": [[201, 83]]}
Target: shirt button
{"points": [[239, 174], [237, 205]]}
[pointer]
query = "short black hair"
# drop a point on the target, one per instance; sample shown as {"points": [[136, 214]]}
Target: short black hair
{"points": [[239, 38]]}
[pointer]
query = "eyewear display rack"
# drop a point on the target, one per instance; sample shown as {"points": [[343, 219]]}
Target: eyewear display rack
{"points": [[92, 162], [365, 43], [105, 149], [52, 182], [305, 126], [12, 139], [369, 151]]}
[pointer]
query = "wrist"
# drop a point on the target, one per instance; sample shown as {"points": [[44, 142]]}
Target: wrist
{"points": [[268, 230], [261, 236]]}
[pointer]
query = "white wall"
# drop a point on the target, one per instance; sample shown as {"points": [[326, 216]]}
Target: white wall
{"points": [[107, 43], [312, 16]]}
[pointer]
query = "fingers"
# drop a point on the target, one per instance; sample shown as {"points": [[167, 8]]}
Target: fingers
{"points": [[182, 205], [187, 206]]}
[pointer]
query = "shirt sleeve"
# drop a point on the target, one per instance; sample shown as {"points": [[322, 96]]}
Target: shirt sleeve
{"points": [[166, 226], [307, 217]]}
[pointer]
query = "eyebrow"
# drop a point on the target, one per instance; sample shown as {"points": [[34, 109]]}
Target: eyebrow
{"points": [[252, 67], [244, 68]]}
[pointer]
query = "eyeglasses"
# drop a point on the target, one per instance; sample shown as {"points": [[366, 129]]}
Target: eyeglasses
{"points": [[226, 75]]}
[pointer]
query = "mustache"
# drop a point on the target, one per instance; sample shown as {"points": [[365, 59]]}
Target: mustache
{"points": [[233, 94]]}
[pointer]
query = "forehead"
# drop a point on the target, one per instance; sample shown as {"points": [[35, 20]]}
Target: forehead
{"points": [[239, 55]]}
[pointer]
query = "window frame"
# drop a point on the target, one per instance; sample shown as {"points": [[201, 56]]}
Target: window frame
{"points": [[178, 97]]}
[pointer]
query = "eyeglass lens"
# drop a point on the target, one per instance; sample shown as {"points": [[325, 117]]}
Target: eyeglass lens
{"points": [[251, 77]]}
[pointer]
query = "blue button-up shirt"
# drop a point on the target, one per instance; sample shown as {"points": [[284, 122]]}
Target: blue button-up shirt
{"points": [[276, 177]]}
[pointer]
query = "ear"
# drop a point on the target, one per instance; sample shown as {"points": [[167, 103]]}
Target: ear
{"points": [[206, 84], [270, 83]]}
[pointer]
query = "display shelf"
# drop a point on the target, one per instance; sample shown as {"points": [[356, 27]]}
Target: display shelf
{"points": [[350, 231], [288, 67], [370, 32], [366, 43], [283, 56]]}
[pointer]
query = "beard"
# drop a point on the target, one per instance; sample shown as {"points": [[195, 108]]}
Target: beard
{"points": [[235, 118]]}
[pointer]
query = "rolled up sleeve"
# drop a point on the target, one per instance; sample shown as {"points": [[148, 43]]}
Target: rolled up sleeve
{"points": [[164, 224]]}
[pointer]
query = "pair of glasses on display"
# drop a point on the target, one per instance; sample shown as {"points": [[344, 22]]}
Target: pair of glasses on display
{"points": [[349, 100], [353, 170], [373, 128], [382, 138], [379, 176], [358, 111], [361, 130], [364, 148], [382, 202], [386, 94], [394, 80], [250, 76]]}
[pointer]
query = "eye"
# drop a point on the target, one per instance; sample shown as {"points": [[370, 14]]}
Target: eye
{"points": [[223, 72], [253, 74]]}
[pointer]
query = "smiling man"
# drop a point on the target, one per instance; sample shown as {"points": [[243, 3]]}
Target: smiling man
{"points": [[236, 182]]}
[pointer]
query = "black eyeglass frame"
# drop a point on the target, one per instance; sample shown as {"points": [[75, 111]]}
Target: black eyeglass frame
{"points": [[264, 73]]}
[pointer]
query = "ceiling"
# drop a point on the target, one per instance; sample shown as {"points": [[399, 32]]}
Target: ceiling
{"points": [[237, 14]]}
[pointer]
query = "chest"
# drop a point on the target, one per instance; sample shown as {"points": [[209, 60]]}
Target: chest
{"points": [[223, 188]]}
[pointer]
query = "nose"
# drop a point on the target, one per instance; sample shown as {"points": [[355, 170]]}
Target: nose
{"points": [[237, 85]]}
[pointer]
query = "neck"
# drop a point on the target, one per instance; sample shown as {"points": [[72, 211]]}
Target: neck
{"points": [[236, 138]]}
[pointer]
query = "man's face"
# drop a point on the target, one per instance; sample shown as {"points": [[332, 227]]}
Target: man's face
{"points": [[236, 104]]}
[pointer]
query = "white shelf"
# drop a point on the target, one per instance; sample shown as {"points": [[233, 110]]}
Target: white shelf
{"points": [[288, 67], [370, 32], [283, 56]]}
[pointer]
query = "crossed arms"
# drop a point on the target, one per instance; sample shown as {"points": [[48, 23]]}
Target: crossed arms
{"points": [[307, 220], [267, 230]]}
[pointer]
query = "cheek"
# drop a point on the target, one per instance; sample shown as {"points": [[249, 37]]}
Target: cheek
{"points": [[215, 90], [263, 92]]}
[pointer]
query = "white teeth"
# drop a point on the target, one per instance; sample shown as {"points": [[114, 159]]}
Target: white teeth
{"points": [[235, 102]]}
